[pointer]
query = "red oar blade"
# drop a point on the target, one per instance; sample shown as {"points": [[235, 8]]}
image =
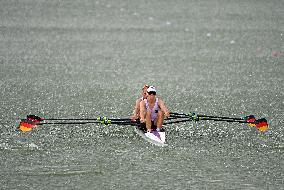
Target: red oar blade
{"points": [[250, 120], [26, 125], [34, 118], [262, 125]]}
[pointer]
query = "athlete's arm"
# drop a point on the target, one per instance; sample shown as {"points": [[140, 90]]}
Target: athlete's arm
{"points": [[136, 110], [163, 108], [142, 112]]}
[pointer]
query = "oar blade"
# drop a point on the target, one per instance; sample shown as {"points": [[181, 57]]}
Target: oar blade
{"points": [[250, 119], [26, 125], [262, 125], [34, 118]]}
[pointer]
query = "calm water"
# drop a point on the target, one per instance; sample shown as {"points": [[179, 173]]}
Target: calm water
{"points": [[84, 59]]}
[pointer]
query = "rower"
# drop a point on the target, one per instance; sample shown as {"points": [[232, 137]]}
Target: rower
{"points": [[136, 111], [153, 110]]}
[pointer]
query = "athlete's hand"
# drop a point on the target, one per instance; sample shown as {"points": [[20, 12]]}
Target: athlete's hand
{"points": [[167, 114], [133, 118], [142, 120]]}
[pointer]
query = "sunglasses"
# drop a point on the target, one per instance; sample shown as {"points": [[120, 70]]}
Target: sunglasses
{"points": [[151, 92]]}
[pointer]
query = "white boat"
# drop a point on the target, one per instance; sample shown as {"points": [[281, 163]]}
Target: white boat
{"points": [[155, 137]]}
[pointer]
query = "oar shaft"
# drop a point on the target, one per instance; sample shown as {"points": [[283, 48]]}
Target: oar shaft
{"points": [[207, 117], [177, 121], [219, 117], [65, 123], [89, 122], [85, 119], [227, 120]]}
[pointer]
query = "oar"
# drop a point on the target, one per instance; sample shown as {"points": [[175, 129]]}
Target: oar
{"points": [[33, 120], [88, 122], [260, 124], [177, 121], [199, 116], [34, 117]]}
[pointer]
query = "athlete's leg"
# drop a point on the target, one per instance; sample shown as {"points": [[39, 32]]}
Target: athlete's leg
{"points": [[160, 119], [148, 121]]}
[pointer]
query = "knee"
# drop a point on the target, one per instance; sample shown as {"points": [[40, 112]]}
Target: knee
{"points": [[160, 114]]}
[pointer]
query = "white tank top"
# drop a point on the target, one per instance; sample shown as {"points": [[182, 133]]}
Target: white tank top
{"points": [[154, 110]]}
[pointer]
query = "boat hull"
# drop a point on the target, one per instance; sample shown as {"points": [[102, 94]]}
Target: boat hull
{"points": [[155, 137]]}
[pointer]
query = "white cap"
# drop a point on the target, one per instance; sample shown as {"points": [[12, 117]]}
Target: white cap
{"points": [[151, 89]]}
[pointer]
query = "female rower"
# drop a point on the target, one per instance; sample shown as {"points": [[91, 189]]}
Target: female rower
{"points": [[136, 111], [153, 110]]}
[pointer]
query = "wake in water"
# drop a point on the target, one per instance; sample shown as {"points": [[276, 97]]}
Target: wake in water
{"points": [[19, 145], [18, 141]]}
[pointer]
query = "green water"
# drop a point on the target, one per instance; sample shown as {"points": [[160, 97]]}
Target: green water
{"points": [[86, 59]]}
